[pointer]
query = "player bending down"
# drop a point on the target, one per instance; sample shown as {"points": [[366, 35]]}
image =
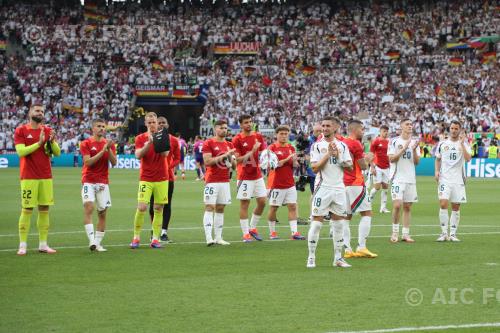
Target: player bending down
{"points": [[97, 153], [282, 184], [451, 155], [404, 155], [34, 144], [329, 157], [218, 158]]}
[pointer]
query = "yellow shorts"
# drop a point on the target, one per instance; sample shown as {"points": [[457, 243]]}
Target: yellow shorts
{"points": [[36, 192], [158, 189]]}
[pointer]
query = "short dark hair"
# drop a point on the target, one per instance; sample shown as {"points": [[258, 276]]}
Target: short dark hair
{"points": [[281, 128], [331, 118], [404, 120], [161, 117], [97, 120], [354, 121], [384, 127], [456, 122], [220, 122], [244, 117]]}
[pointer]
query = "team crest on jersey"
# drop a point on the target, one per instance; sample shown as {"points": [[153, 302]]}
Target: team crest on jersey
{"points": [[400, 147], [323, 150], [446, 148]]}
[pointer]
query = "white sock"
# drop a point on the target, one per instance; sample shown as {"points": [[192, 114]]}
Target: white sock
{"points": [[254, 221], [89, 229], [208, 223], [272, 226], [338, 239], [347, 234], [218, 223], [454, 221], [244, 226], [443, 220], [330, 222], [395, 228], [313, 237], [364, 230], [99, 235], [23, 245], [42, 245], [383, 199], [373, 192], [406, 231], [293, 226], [163, 232]]}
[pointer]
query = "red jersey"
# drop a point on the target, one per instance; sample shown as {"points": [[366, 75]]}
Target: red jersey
{"points": [[98, 172], [379, 149], [217, 173], [173, 157], [154, 166], [249, 169], [37, 164], [282, 177], [354, 177]]}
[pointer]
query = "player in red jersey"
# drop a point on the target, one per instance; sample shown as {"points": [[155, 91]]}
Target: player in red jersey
{"points": [[380, 167], [35, 143], [153, 180], [282, 184], [97, 153], [357, 198], [247, 145], [218, 159], [173, 159]]}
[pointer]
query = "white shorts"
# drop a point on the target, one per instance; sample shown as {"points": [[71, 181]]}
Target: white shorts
{"points": [[357, 200], [381, 176], [404, 191], [98, 193], [248, 189], [326, 200], [455, 193], [217, 194], [282, 196]]}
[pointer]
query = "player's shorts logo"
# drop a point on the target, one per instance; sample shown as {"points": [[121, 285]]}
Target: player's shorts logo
{"points": [[26, 202], [85, 196], [274, 201], [207, 197], [315, 210]]}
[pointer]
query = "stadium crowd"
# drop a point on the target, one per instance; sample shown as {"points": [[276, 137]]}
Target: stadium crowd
{"points": [[379, 63]]}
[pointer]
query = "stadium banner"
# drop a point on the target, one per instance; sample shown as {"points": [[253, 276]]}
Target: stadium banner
{"points": [[237, 48], [476, 168], [169, 91]]}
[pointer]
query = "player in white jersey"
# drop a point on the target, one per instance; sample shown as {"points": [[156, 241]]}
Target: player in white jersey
{"points": [[404, 155], [329, 157], [451, 155]]}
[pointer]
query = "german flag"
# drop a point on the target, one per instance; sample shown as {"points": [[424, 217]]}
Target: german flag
{"points": [[158, 65], [408, 34], [291, 72], [455, 61], [331, 38], [89, 15], [249, 70], [489, 57], [90, 27], [393, 55], [308, 70], [400, 13], [3, 45], [90, 6], [343, 44]]}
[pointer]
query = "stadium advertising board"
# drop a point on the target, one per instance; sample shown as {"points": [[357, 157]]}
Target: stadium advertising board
{"points": [[170, 91], [237, 48], [476, 168]]}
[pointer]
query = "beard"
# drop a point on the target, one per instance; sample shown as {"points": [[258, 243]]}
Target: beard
{"points": [[37, 119]]}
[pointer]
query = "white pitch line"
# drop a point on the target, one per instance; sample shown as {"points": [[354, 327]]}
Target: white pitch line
{"points": [[145, 244], [424, 328], [237, 227]]}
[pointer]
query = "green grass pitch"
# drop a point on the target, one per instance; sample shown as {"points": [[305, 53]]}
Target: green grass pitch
{"points": [[256, 287]]}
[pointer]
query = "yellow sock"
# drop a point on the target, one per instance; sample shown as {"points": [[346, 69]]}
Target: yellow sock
{"points": [[138, 221], [157, 222], [43, 225], [24, 225]]}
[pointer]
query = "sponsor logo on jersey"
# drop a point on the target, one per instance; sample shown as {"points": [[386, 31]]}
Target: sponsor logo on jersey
{"points": [[245, 144], [30, 136], [93, 148], [216, 148]]}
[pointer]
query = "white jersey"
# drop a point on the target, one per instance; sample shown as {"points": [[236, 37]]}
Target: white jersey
{"points": [[452, 162], [402, 171], [332, 174]]}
